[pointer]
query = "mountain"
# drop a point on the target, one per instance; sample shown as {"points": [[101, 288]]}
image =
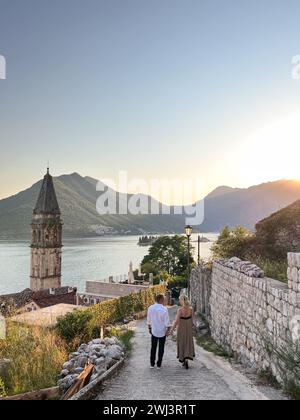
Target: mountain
{"points": [[246, 206], [221, 191], [77, 197]]}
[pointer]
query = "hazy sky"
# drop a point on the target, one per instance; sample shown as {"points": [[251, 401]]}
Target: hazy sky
{"points": [[161, 88]]}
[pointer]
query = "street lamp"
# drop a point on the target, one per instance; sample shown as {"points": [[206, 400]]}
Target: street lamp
{"points": [[188, 232]]}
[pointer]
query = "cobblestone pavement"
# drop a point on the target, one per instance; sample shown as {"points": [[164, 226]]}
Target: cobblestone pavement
{"points": [[209, 378]]}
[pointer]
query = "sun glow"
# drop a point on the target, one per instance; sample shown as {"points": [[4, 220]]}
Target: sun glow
{"points": [[271, 153]]}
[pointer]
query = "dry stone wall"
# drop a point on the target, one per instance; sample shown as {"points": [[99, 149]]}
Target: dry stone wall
{"points": [[200, 284], [246, 309]]}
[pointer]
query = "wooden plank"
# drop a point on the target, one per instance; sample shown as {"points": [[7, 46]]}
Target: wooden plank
{"points": [[82, 380], [43, 394]]}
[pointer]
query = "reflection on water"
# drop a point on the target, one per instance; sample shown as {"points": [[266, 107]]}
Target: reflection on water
{"points": [[83, 259]]}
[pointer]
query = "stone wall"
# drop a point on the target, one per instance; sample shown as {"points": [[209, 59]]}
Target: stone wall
{"points": [[45, 268], [200, 284], [245, 308], [112, 289]]}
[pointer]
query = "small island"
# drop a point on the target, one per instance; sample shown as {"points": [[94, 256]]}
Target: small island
{"points": [[147, 240], [204, 240]]}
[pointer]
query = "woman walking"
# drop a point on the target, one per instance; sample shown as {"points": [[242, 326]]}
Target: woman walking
{"points": [[184, 322]]}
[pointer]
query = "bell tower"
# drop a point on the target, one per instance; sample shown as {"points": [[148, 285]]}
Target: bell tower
{"points": [[46, 240]]}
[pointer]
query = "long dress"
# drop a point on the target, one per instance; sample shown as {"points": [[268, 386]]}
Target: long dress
{"points": [[185, 341]]}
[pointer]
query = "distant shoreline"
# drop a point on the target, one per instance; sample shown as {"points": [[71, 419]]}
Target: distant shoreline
{"points": [[93, 236]]}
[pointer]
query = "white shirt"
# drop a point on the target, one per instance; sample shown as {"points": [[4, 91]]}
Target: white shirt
{"points": [[158, 318]]}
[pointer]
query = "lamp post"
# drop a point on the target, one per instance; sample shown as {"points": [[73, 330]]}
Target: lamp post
{"points": [[199, 245], [188, 232]]}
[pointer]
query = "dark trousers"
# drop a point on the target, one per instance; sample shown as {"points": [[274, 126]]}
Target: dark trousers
{"points": [[161, 342]]}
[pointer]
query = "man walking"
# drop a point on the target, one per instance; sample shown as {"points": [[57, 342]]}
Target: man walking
{"points": [[159, 328]]}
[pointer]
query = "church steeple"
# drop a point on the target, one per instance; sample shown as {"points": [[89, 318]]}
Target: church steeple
{"points": [[46, 242], [47, 200]]}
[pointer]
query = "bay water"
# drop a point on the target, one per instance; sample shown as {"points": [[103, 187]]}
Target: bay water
{"points": [[83, 259]]}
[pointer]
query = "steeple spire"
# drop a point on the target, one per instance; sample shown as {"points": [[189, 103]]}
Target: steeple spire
{"points": [[47, 200]]}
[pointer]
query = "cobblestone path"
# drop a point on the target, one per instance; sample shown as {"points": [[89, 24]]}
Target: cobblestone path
{"points": [[209, 378]]}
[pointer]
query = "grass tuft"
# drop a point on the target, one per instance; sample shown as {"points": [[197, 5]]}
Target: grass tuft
{"points": [[36, 356], [209, 344]]}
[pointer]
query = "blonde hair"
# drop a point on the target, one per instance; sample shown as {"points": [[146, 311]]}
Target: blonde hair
{"points": [[185, 300]]}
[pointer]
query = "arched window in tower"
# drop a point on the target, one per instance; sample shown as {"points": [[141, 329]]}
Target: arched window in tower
{"points": [[40, 236]]}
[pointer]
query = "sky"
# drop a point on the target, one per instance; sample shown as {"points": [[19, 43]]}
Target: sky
{"points": [[199, 89]]}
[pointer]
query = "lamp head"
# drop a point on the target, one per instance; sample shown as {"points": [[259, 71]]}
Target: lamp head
{"points": [[188, 231]]}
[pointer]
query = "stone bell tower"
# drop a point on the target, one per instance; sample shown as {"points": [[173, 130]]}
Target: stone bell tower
{"points": [[46, 242]]}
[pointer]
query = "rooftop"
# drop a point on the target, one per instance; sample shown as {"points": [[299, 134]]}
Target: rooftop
{"points": [[46, 317], [42, 299]]}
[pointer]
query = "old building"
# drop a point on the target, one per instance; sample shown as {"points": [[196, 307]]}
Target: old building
{"points": [[29, 300], [46, 242]]}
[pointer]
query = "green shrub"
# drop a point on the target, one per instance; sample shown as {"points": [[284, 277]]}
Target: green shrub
{"points": [[124, 336], [178, 282], [126, 340], [75, 324], [232, 243]]}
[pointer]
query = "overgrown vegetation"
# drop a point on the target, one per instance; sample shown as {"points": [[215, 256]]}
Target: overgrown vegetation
{"points": [[36, 356], [287, 361], [241, 243], [75, 327], [267, 377], [125, 336], [208, 343], [85, 325], [272, 268], [232, 243]]}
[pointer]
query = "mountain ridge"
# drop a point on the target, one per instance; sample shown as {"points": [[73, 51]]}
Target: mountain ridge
{"points": [[77, 198]]}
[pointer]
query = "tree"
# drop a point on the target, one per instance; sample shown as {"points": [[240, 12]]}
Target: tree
{"points": [[232, 243], [169, 254], [149, 267]]}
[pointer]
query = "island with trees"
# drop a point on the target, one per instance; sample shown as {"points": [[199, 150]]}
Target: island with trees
{"points": [[147, 240]]}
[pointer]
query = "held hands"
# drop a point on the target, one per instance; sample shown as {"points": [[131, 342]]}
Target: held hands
{"points": [[170, 332]]}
